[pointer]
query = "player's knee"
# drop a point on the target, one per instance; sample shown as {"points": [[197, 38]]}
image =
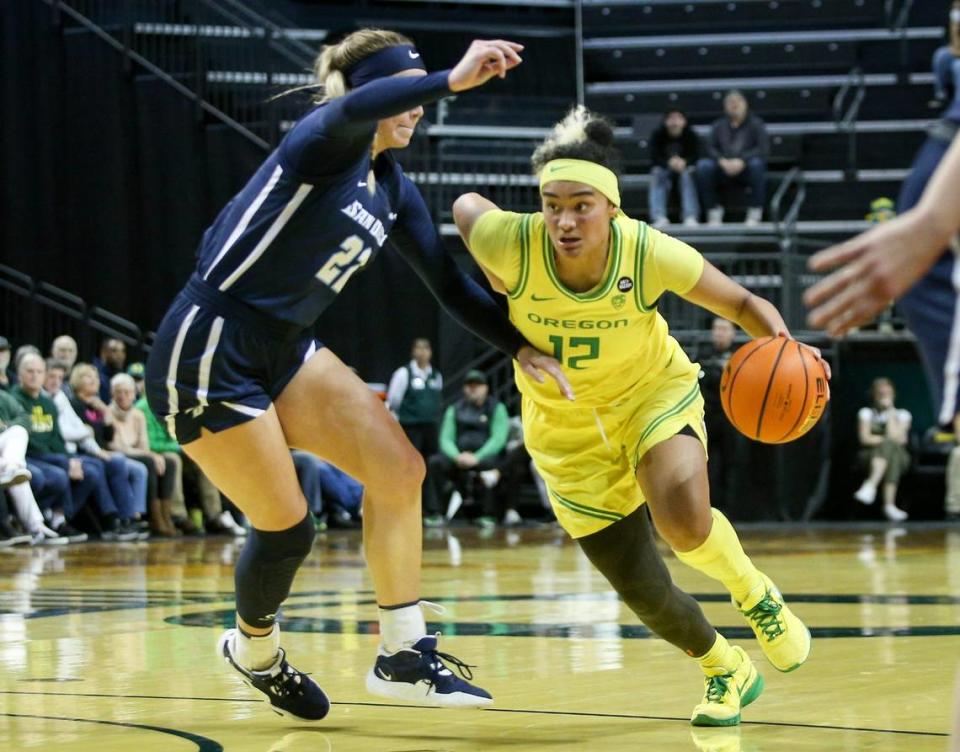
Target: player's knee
{"points": [[412, 469]]}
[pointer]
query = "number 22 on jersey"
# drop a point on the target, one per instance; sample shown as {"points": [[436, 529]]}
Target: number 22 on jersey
{"points": [[344, 263]]}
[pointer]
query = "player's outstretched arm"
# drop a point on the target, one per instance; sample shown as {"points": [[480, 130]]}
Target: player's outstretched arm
{"points": [[393, 95], [720, 295], [417, 239], [881, 264]]}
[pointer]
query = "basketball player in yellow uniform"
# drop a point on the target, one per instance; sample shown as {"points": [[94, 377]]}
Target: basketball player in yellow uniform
{"points": [[583, 281]]}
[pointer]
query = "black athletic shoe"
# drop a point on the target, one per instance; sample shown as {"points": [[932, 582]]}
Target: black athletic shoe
{"points": [[115, 530], [290, 692], [418, 674], [68, 531]]}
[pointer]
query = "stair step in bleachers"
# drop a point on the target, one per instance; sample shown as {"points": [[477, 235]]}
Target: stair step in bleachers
{"points": [[620, 17], [826, 51]]}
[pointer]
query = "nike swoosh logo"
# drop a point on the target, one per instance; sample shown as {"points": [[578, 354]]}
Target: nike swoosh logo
{"points": [[557, 168], [361, 184], [384, 674], [413, 55], [538, 299], [392, 215]]}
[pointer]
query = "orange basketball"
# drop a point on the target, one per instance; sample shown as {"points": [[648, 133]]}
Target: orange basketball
{"points": [[774, 390]]}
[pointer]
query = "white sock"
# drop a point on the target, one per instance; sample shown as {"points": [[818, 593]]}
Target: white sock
{"points": [[256, 653], [401, 627], [57, 520]]}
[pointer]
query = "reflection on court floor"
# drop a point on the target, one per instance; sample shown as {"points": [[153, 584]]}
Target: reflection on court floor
{"points": [[111, 647]]}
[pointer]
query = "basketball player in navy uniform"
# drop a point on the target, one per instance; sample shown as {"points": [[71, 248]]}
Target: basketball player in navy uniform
{"points": [[239, 379], [916, 255]]}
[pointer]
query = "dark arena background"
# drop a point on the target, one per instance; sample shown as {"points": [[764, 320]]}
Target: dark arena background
{"points": [[129, 124]]}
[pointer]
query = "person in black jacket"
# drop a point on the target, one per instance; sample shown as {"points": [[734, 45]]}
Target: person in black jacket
{"points": [[674, 150], [737, 153]]}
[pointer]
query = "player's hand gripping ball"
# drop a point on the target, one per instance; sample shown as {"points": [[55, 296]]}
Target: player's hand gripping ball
{"points": [[774, 390]]}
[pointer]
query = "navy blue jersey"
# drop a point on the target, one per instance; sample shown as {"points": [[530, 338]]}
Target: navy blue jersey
{"points": [[307, 220]]}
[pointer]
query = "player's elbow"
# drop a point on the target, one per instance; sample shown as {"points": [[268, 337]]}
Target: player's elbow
{"points": [[465, 210]]}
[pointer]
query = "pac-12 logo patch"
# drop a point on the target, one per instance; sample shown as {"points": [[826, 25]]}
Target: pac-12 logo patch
{"points": [[624, 284]]}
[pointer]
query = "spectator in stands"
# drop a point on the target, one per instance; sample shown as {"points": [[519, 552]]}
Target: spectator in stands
{"points": [[736, 153], [15, 468], [164, 470], [884, 433], [137, 371], [414, 396], [472, 437], [7, 375], [215, 518], [305, 465], [723, 440], [21, 351], [946, 61], [126, 479], [47, 448], [674, 151], [111, 361], [331, 494], [64, 350]]}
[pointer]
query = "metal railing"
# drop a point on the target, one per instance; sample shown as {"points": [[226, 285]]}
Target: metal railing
{"points": [[785, 222], [846, 108], [38, 311], [226, 58]]}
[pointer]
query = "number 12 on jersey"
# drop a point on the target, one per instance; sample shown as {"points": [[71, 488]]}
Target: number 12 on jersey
{"points": [[592, 345], [342, 265]]}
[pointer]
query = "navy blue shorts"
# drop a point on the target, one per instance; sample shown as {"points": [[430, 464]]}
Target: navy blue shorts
{"points": [[931, 306], [217, 362]]}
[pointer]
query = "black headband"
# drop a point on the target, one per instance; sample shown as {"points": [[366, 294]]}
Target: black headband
{"points": [[383, 63]]}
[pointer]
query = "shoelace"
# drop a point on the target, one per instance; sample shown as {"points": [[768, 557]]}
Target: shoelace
{"points": [[288, 681], [766, 615], [717, 687], [437, 659]]}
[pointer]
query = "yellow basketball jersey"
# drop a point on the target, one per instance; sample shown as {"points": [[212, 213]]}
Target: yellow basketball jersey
{"points": [[610, 340]]}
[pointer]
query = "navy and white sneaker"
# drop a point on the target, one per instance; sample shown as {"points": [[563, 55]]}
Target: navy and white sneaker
{"points": [[290, 692], [418, 674]]}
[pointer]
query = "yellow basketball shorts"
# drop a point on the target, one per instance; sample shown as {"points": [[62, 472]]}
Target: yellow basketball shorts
{"points": [[588, 456]]}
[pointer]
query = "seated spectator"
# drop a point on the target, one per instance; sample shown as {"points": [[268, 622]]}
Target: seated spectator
{"points": [[472, 438], [884, 433], [24, 350], [111, 361], [946, 63], [736, 153], [7, 375], [164, 470], [342, 495], [333, 496], [674, 151], [64, 350], [215, 518], [47, 450], [15, 476], [8, 535]]}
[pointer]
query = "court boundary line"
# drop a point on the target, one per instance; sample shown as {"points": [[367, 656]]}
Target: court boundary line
{"points": [[204, 744], [576, 713]]}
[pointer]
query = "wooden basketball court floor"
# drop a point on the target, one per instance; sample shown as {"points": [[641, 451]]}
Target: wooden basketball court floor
{"points": [[108, 647]]}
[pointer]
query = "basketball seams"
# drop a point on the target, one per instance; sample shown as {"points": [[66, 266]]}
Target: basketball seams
{"points": [[733, 377], [806, 393], [766, 393]]}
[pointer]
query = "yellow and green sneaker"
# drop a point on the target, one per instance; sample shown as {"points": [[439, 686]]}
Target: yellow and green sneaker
{"points": [[784, 639], [726, 694]]}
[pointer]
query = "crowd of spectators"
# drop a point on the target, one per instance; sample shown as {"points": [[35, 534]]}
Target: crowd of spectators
{"points": [[82, 455], [733, 156]]}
